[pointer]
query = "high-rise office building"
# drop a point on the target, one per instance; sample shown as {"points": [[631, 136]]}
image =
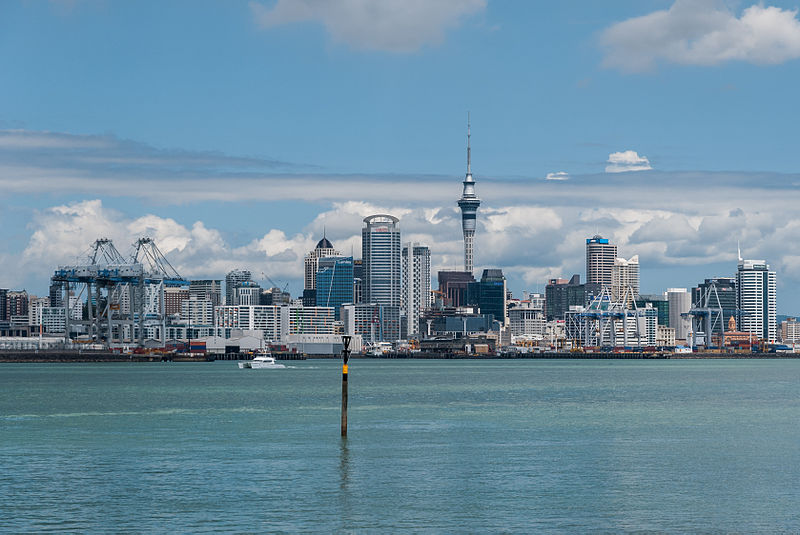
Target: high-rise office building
{"points": [[233, 280], [718, 295], [334, 280], [453, 287], [247, 293], [416, 284], [173, 297], [469, 203], [3, 300], [358, 281], [490, 294], [210, 289], [600, 256], [561, 294], [756, 299], [657, 301], [380, 249], [371, 321], [197, 312], [680, 301], [324, 248], [625, 280]]}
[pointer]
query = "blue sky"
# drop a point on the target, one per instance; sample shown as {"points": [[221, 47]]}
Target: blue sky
{"points": [[234, 131]]}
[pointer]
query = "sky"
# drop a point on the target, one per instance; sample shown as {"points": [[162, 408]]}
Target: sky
{"points": [[235, 133]]}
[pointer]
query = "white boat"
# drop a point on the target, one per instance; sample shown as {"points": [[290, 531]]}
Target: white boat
{"points": [[261, 361]]}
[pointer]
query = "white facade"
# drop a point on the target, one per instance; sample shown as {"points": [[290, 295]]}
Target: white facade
{"points": [[756, 297], [197, 312], [373, 322], [625, 280], [790, 331], [527, 319], [665, 336], [307, 320], [680, 301], [35, 306], [600, 255], [311, 262], [275, 322], [247, 295], [321, 344], [416, 284], [52, 319]]}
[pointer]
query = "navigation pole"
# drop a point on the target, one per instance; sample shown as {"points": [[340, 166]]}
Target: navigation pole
{"points": [[345, 358]]}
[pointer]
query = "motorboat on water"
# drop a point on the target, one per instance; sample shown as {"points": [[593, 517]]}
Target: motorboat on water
{"points": [[261, 361]]}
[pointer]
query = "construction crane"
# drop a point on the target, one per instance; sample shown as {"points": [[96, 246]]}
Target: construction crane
{"points": [[273, 283]]}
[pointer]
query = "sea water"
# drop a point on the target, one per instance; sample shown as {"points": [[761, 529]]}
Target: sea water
{"points": [[441, 446]]}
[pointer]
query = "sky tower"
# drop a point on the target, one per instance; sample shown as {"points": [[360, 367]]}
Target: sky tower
{"points": [[469, 203]]}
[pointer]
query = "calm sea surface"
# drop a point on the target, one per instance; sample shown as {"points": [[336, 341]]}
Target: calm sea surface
{"points": [[450, 446]]}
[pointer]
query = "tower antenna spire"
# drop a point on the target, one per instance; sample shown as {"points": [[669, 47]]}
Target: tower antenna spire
{"points": [[469, 149], [469, 204]]}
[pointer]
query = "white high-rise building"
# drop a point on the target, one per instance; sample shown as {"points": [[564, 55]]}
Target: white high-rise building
{"points": [[311, 263], [380, 251], [416, 284], [197, 312], [680, 301], [600, 256], [625, 280], [756, 298]]}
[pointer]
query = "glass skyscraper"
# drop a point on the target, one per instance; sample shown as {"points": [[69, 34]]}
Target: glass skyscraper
{"points": [[380, 248], [334, 280]]}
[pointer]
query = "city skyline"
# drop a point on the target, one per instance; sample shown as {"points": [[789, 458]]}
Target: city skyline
{"points": [[238, 181]]}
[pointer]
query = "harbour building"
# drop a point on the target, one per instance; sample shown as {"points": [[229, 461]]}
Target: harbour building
{"points": [[756, 299], [416, 285], [334, 281], [600, 256], [469, 203]]}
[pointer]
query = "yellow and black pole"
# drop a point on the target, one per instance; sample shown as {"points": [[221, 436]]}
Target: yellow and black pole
{"points": [[345, 357]]}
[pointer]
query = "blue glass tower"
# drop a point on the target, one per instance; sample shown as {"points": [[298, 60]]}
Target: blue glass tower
{"points": [[334, 282]]}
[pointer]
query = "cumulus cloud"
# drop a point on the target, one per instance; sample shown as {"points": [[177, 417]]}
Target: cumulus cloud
{"points": [[534, 230], [629, 160], [388, 25], [558, 175], [702, 32]]}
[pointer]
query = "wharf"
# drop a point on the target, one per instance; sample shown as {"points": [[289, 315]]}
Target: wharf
{"points": [[107, 356]]}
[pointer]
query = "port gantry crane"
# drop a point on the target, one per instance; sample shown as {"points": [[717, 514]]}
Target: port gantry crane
{"points": [[124, 297]]}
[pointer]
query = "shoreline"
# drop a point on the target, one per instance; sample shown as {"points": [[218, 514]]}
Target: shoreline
{"points": [[19, 357]]}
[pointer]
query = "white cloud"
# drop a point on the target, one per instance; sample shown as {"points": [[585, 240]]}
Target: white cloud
{"points": [[558, 175], [629, 160], [702, 32], [388, 25]]}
